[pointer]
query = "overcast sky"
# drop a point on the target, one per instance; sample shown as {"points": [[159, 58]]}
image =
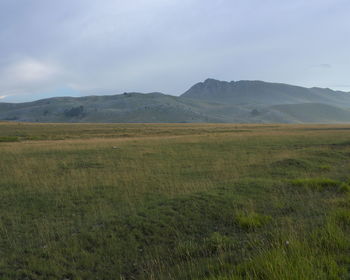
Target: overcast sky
{"points": [[80, 47]]}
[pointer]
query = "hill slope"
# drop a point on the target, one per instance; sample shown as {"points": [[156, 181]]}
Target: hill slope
{"points": [[263, 93], [127, 107], [209, 101]]}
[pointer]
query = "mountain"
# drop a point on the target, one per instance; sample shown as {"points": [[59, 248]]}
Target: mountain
{"points": [[263, 93], [127, 107], [314, 113], [209, 101]]}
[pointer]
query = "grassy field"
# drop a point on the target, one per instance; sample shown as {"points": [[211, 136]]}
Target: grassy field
{"points": [[180, 201]]}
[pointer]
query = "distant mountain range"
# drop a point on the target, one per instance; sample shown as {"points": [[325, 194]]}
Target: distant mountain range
{"points": [[208, 101]]}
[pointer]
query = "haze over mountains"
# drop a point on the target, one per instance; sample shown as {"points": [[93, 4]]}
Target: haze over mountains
{"points": [[208, 101]]}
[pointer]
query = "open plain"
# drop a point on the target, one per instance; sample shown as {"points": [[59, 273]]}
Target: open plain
{"points": [[174, 201]]}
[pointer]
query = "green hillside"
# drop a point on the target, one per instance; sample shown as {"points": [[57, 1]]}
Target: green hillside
{"points": [[209, 102], [314, 113], [263, 93]]}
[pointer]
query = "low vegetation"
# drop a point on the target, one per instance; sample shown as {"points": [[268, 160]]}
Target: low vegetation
{"points": [[321, 184], [135, 201], [9, 139]]}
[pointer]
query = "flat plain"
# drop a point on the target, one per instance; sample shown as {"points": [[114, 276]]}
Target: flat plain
{"points": [[174, 201]]}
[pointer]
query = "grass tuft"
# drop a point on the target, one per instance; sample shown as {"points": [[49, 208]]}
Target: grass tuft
{"points": [[321, 184], [342, 217], [251, 220]]}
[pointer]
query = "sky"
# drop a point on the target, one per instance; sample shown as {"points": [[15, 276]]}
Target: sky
{"points": [[84, 47]]}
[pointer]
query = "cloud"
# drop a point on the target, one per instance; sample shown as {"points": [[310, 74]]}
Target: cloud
{"points": [[323, 66], [3, 96], [165, 45], [26, 75], [31, 71]]}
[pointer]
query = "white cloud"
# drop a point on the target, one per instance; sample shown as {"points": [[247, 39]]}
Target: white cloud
{"points": [[31, 71], [29, 75], [3, 96]]}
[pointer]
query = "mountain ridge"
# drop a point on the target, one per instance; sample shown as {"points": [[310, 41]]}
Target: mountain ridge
{"points": [[209, 101], [263, 93]]}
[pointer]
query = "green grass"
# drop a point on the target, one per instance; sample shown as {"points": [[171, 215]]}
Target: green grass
{"points": [[251, 220], [321, 184], [175, 201], [9, 139]]}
